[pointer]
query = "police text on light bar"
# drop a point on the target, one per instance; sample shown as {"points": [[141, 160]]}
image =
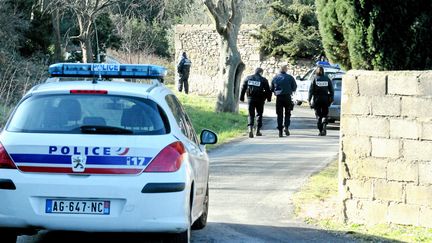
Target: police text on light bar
{"points": [[104, 70]]}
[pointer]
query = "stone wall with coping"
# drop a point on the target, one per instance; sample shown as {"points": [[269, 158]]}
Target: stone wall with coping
{"points": [[201, 43], [385, 170]]}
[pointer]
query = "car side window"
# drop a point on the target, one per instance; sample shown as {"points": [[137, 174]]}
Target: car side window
{"points": [[192, 133], [177, 112], [181, 117], [308, 75]]}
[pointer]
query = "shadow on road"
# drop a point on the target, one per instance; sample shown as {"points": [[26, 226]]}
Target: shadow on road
{"points": [[298, 123], [233, 233], [82, 237], [218, 232]]}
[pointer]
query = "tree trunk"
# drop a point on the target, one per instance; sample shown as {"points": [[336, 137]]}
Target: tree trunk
{"points": [[227, 16], [58, 53], [231, 68], [86, 48]]}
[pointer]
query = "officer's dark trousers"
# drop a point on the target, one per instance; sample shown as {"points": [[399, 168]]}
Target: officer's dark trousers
{"points": [[257, 105], [183, 81], [321, 112], [283, 110]]}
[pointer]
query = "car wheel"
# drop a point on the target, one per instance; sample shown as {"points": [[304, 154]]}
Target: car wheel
{"points": [[8, 237], [298, 102], [201, 222]]}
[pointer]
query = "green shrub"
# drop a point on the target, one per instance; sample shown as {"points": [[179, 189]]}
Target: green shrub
{"points": [[377, 35], [294, 32]]}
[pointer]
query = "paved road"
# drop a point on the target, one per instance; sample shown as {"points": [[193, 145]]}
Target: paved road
{"points": [[251, 184]]}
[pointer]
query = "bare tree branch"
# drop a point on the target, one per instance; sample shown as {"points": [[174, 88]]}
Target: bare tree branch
{"points": [[217, 16]]}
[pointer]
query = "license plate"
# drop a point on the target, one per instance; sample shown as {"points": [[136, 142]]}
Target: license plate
{"points": [[77, 206]]}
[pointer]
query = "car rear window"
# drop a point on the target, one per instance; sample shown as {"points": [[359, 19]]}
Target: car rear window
{"points": [[337, 84], [92, 114]]}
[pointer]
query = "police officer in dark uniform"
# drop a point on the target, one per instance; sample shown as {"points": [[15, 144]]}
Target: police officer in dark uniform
{"points": [[283, 85], [183, 69], [257, 89], [321, 96]]}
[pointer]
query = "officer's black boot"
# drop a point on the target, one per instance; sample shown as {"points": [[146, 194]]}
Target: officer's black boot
{"points": [[258, 132], [286, 131], [280, 133], [250, 129], [324, 127], [320, 127]]}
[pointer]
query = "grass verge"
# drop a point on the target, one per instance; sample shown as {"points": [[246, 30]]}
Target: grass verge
{"points": [[201, 110], [317, 204]]}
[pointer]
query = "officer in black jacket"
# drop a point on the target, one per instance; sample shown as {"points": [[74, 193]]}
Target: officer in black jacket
{"points": [[257, 89], [183, 70], [283, 85], [321, 96]]}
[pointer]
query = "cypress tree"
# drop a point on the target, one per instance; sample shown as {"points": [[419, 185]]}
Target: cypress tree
{"points": [[379, 35]]}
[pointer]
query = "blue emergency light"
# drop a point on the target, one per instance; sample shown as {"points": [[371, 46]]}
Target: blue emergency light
{"points": [[327, 64], [105, 70]]}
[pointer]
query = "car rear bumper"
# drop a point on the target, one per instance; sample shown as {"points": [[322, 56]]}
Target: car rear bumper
{"points": [[334, 112], [132, 209]]}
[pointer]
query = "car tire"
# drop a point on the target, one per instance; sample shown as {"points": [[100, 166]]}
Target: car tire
{"points": [[8, 237], [298, 102], [201, 222]]}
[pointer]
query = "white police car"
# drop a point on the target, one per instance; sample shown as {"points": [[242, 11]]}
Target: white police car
{"points": [[100, 156], [303, 83]]}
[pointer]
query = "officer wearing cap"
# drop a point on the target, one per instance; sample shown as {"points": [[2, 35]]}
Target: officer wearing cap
{"points": [[257, 89], [283, 85], [321, 96]]}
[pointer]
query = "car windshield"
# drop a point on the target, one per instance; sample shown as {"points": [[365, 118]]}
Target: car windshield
{"points": [[337, 84], [89, 114]]}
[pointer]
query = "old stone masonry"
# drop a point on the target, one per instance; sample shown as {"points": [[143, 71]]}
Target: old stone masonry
{"points": [[201, 43], [386, 152]]}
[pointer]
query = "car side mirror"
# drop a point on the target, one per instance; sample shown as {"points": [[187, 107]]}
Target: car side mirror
{"points": [[208, 137]]}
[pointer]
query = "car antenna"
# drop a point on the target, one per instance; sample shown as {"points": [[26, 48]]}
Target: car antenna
{"points": [[98, 79]]}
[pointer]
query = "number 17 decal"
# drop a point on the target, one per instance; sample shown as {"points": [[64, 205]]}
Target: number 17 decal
{"points": [[137, 161]]}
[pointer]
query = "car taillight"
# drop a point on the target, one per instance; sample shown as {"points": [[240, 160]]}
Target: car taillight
{"points": [[168, 160], [85, 91], [5, 160]]}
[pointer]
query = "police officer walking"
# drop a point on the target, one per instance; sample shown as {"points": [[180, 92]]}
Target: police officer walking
{"points": [[283, 85], [257, 89], [321, 96], [183, 69]]}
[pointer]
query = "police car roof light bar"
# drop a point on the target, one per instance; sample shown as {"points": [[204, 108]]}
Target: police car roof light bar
{"points": [[105, 70], [327, 64]]}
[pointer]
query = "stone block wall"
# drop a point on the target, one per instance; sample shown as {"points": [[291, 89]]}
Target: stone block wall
{"points": [[201, 43], [385, 170]]}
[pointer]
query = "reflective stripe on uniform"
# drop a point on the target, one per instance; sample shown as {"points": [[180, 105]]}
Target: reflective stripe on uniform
{"points": [[254, 83], [322, 83]]}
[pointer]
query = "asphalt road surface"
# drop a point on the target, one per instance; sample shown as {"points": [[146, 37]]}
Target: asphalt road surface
{"points": [[251, 185], [252, 182]]}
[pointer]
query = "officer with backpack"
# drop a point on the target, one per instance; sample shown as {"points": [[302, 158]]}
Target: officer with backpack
{"points": [[321, 95], [257, 89]]}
